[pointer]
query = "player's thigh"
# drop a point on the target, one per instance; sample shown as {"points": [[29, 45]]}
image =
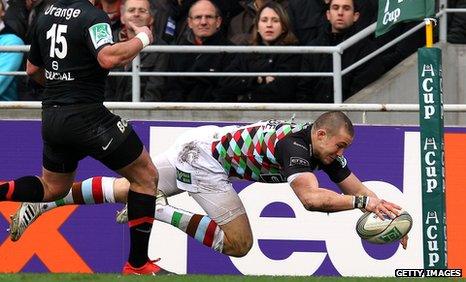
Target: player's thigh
{"points": [[167, 175], [166, 179], [226, 208]]}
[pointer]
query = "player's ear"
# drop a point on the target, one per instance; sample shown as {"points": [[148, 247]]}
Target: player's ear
{"points": [[321, 133]]}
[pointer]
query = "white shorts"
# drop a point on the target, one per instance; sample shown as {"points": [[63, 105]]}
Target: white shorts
{"points": [[189, 166]]}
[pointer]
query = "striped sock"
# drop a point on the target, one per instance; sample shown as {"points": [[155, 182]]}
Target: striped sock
{"points": [[95, 190], [200, 227]]}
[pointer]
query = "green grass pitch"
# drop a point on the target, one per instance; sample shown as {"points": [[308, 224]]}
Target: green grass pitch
{"points": [[186, 278]]}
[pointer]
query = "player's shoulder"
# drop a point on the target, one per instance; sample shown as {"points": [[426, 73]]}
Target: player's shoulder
{"points": [[277, 123], [90, 13]]}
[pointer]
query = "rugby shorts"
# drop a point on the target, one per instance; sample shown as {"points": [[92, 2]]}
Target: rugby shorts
{"points": [[189, 166], [72, 132]]}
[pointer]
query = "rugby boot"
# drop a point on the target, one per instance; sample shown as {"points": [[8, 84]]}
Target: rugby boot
{"points": [[122, 215], [24, 216], [150, 268]]}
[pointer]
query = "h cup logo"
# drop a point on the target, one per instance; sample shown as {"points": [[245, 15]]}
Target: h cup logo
{"points": [[101, 34], [392, 235]]}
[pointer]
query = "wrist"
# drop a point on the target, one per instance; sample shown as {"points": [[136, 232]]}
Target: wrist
{"points": [[360, 202], [144, 38]]}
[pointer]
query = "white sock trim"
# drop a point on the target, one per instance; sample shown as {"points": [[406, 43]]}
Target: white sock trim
{"points": [[107, 189]]}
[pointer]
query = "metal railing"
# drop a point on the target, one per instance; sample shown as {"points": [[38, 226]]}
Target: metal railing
{"points": [[336, 52], [364, 109]]}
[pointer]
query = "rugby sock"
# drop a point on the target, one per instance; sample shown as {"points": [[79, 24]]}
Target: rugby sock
{"points": [[95, 190], [24, 189], [141, 208], [200, 227]]}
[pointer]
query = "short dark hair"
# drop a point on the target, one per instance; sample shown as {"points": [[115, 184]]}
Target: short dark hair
{"points": [[355, 5], [333, 121]]}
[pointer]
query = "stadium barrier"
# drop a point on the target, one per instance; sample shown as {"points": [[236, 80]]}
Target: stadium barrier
{"points": [[336, 52], [288, 240]]}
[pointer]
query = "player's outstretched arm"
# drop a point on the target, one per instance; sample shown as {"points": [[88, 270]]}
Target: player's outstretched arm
{"points": [[314, 198], [353, 186], [124, 52]]}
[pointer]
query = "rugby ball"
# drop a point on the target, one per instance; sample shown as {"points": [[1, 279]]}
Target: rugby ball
{"points": [[382, 231]]}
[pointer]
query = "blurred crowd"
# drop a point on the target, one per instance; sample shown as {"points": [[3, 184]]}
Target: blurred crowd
{"points": [[230, 22]]}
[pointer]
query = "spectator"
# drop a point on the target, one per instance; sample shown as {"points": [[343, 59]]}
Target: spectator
{"points": [[119, 88], [165, 19], [204, 29], [341, 15], [9, 61], [271, 28], [457, 23], [227, 9], [22, 15], [307, 16], [241, 26]]}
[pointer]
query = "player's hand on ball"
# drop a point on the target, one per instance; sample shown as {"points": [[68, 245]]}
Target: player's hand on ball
{"points": [[381, 207]]}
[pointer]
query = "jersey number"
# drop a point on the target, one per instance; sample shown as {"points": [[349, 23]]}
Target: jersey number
{"points": [[56, 34]]}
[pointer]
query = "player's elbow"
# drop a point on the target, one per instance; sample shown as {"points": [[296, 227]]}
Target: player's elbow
{"points": [[108, 58], [313, 202], [30, 72], [31, 69], [107, 62]]}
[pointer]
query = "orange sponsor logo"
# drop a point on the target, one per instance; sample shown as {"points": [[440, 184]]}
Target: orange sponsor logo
{"points": [[44, 240], [455, 167]]}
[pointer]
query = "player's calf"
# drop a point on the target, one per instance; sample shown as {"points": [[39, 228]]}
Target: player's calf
{"points": [[238, 236]]}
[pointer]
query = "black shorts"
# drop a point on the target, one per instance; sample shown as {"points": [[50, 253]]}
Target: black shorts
{"points": [[70, 133]]}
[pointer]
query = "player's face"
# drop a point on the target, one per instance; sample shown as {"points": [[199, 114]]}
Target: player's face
{"points": [[341, 15], [329, 146], [203, 19], [137, 12], [269, 26]]}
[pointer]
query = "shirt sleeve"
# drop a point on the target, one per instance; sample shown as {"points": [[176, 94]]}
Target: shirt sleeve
{"points": [[34, 52], [338, 170], [98, 33], [293, 156]]}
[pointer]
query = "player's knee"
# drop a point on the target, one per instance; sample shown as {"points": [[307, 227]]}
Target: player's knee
{"points": [[54, 193], [241, 247], [147, 177], [152, 176]]}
